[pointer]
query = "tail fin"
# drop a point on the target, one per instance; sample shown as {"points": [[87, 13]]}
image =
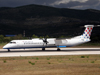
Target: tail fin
{"points": [[87, 32]]}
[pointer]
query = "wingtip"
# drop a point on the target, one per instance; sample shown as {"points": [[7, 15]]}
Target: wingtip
{"points": [[89, 26]]}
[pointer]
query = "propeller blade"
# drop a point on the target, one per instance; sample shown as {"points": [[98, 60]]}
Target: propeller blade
{"points": [[45, 41]]}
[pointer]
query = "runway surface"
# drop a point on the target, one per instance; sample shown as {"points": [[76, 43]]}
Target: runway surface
{"points": [[48, 52]]}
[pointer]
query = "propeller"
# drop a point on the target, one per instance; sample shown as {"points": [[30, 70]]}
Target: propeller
{"points": [[45, 40]]}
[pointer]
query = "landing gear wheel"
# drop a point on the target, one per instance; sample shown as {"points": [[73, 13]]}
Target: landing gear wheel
{"points": [[58, 49], [8, 50], [43, 49]]}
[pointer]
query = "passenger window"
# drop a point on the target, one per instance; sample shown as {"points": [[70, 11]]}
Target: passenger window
{"points": [[14, 42]]}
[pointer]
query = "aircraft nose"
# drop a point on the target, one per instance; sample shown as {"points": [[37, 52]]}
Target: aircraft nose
{"points": [[5, 47]]}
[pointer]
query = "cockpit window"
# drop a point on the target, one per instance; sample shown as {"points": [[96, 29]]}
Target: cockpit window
{"points": [[12, 42]]}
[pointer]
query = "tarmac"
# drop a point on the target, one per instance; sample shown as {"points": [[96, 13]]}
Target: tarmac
{"points": [[48, 52]]}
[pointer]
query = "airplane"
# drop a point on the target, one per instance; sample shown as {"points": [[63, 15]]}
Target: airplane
{"points": [[51, 42]]}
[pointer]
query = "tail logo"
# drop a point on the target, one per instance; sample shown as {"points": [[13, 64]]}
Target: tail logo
{"points": [[87, 32]]}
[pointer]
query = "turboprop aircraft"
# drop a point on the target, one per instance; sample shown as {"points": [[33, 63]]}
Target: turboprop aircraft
{"points": [[51, 42]]}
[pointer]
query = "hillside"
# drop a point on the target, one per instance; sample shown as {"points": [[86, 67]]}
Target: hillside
{"points": [[44, 20]]}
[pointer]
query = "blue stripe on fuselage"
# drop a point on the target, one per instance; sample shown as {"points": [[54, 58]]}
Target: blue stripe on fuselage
{"points": [[61, 46]]}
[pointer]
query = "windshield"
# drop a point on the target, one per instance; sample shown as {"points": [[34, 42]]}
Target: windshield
{"points": [[12, 42]]}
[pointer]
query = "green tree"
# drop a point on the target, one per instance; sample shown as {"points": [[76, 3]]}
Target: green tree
{"points": [[62, 36], [7, 39], [19, 36], [34, 36], [46, 36], [41, 37], [1, 38]]}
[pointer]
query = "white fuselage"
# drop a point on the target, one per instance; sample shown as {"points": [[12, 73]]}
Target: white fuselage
{"points": [[38, 43]]}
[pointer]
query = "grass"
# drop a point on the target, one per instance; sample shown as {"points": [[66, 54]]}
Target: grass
{"points": [[49, 63], [82, 56], [37, 58], [57, 65], [48, 58], [31, 63], [4, 61], [87, 56], [92, 62]]}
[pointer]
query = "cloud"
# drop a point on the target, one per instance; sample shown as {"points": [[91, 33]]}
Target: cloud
{"points": [[67, 1], [80, 5]]}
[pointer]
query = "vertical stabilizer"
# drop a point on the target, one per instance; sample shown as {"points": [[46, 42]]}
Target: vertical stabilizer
{"points": [[87, 32]]}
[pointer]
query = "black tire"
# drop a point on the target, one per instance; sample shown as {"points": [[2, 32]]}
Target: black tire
{"points": [[43, 49], [8, 50], [58, 49]]}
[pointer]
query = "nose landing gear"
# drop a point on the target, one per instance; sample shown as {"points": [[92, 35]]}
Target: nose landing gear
{"points": [[8, 50]]}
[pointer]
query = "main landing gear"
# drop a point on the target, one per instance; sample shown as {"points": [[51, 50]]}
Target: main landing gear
{"points": [[58, 49], [8, 50], [43, 49]]}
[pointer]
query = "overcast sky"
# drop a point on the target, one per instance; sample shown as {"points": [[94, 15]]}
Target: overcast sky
{"points": [[74, 4]]}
